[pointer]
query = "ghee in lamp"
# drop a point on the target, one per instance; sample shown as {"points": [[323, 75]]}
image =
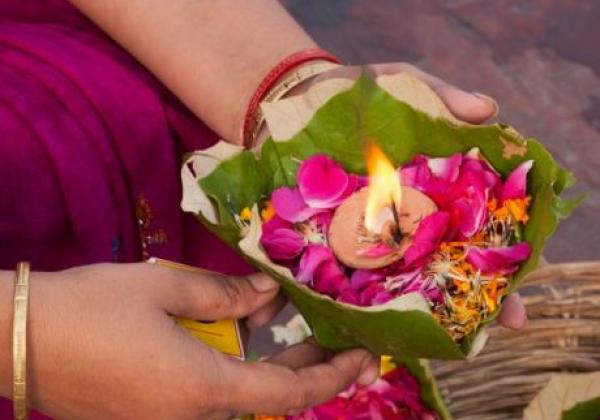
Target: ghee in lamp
{"points": [[382, 215]]}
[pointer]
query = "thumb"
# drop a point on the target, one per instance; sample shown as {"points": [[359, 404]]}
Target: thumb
{"points": [[210, 296], [474, 108]]}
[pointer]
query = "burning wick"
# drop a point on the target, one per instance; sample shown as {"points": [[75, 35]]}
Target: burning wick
{"points": [[397, 235], [382, 214]]}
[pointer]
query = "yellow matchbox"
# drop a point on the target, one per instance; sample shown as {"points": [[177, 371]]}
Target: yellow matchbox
{"points": [[223, 335]]}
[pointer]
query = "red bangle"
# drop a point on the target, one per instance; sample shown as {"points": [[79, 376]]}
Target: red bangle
{"points": [[279, 70]]}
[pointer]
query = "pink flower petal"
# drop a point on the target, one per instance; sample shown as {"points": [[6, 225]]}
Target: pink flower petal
{"points": [[281, 243], [382, 297], [503, 260], [323, 220], [467, 203], [372, 291], [323, 183], [446, 168], [349, 296], [362, 278], [414, 281], [427, 237], [313, 257], [482, 169], [289, 205], [416, 173], [468, 216], [376, 251], [329, 279], [395, 396], [515, 185]]}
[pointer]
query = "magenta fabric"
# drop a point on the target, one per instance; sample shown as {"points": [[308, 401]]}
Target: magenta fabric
{"points": [[86, 132]]}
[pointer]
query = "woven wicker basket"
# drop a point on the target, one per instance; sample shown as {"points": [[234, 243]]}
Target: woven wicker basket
{"points": [[563, 334]]}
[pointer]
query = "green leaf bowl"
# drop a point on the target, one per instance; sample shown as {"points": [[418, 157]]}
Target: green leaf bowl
{"points": [[219, 182]]}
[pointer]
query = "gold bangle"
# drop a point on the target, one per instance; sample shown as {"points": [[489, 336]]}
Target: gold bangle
{"points": [[21, 304], [284, 87]]}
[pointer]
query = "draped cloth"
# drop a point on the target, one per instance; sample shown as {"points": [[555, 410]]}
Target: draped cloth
{"points": [[90, 149]]}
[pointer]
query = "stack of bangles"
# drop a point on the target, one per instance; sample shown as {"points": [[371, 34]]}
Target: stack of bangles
{"points": [[286, 75], [21, 308]]}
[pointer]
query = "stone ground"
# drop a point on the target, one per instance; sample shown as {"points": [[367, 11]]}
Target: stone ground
{"points": [[539, 59]]}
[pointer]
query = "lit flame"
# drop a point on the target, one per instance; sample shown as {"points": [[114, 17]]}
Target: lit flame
{"points": [[384, 190]]}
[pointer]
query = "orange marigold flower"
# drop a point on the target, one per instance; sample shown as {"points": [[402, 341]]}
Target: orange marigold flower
{"points": [[268, 212], [502, 213], [246, 214], [518, 208]]}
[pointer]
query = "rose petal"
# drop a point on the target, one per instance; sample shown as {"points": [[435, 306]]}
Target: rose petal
{"points": [[282, 243], [468, 216], [289, 205], [275, 223], [320, 269], [467, 203], [349, 296], [481, 169], [382, 297], [323, 220], [395, 396], [323, 183], [515, 185], [446, 168], [362, 278], [329, 278], [414, 281], [416, 173], [370, 292], [427, 237], [313, 256], [376, 251], [503, 260]]}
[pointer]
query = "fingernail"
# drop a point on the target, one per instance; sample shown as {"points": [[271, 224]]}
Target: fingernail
{"points": [[369, 370], [490, 100], [369, 375], [262, 283], [513, 314]]}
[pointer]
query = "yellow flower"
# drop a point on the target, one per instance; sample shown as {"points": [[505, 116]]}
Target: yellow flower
{"points": [[246, 214], [386, 365], [268, 212]]}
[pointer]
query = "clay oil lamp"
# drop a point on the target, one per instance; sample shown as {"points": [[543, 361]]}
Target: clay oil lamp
{"points": [[374, 226]]}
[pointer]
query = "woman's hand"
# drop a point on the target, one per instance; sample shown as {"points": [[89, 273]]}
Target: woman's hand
{"points": [[103, 344]]}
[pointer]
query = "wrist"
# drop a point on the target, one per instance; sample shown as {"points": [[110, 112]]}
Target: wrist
{"points": [[292, 70], [6, 316]]}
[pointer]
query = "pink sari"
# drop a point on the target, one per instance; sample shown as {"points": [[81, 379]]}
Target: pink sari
{"points": [[91, 147]]}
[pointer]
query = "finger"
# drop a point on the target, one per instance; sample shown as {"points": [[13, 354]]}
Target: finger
{"points": [[473, 108], [209, 296], [266, 314], [513, 314], [301, 355], [273, 389]]}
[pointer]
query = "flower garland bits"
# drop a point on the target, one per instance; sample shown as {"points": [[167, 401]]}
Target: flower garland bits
{"points": [[447, 228]]}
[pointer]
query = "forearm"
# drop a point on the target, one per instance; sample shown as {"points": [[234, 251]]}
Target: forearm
{"points": [[211, 54], [6, 310]]}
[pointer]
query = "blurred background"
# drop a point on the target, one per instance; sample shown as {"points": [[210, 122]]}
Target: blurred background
{"points": [[540, 59]]}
